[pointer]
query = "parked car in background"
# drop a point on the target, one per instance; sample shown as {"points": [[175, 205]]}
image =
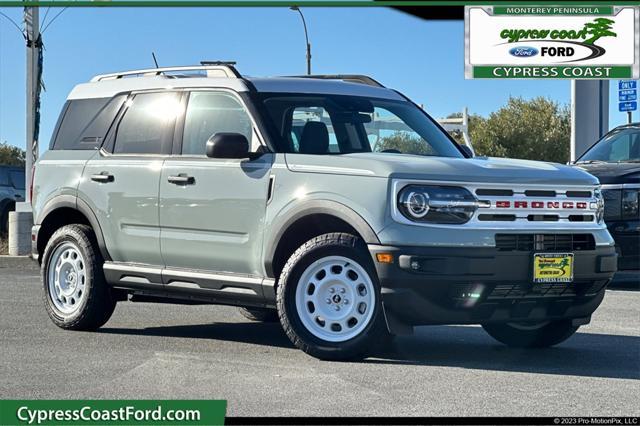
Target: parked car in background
{"points": [[615, 160], [11, 191]]}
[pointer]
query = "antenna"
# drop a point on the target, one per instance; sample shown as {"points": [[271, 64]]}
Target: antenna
{"points": [[154, 59]]}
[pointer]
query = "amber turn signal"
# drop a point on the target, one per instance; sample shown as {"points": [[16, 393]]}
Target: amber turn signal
{"points": [[384, 257]]}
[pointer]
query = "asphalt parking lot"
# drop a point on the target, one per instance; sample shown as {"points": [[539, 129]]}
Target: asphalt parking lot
{"points": [[167, 351]]}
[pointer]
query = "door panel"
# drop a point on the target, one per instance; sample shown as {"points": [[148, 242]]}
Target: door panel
{"points": [[216, 222], [121, 181], [126, 205]]}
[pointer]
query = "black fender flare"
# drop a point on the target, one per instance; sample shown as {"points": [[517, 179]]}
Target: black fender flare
{"points": [[75, 203], [330, 208]]}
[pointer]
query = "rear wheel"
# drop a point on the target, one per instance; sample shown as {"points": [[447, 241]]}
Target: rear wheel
{"points": [[76, 294], [532, 335], [329, 298], [259, 314]]}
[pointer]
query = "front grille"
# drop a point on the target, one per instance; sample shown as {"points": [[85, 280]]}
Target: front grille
{"points": [[516, 291], [513, 291], [612, 204], [545, 242], [548, 206]]}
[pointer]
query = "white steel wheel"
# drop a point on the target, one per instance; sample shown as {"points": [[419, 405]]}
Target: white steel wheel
{"points": [[67, 278], [335, 298]]}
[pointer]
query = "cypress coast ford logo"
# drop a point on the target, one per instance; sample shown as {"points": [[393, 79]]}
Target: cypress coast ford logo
{"points": [[570, 45], [559, 42]]}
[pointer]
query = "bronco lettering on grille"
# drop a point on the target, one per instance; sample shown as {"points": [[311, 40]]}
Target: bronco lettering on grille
{"points": [[541, 205]]}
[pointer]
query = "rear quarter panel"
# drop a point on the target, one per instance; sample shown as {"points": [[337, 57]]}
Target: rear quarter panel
{"points": [[57, 174]]}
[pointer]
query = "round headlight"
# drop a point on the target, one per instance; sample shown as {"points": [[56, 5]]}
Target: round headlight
{"points": [[417, 204], [436, 204]]}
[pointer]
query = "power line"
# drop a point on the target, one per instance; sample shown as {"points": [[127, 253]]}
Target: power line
{"points": [[45, 15], [14, 24], [53, 19]]}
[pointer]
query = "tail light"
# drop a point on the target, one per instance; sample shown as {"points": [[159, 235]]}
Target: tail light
{"points": [[33, 174]]}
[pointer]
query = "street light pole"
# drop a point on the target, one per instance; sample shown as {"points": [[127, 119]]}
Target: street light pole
{"points": [[306, 36]]}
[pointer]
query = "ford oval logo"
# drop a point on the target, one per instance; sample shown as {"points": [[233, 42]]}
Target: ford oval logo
{"points": [[523, 51]]}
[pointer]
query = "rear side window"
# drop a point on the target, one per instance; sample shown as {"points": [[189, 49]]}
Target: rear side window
{"points": [[86, 122], [147, 124]]}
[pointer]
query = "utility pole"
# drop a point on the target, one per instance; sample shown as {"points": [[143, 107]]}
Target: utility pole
{"points": [[32, 27], [21, 220]]}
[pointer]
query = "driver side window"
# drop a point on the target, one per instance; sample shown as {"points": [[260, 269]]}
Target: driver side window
{"points": [[209, 113]]}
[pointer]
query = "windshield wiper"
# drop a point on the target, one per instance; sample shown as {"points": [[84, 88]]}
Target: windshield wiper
{"points": [[629, 161], [590, 162]]}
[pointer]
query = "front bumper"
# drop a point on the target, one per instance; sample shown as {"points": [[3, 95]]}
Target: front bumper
{"points": [[446, 285]]}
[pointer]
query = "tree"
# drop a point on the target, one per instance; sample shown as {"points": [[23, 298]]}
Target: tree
{"points": [[536, 129], [600, 27], [403, 142], [11, 155], [474, 121]]}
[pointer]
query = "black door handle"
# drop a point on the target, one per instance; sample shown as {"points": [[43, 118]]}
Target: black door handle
{"points": [[182, 179], [103, 177]]}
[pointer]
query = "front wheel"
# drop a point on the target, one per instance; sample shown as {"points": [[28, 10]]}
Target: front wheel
{"points": [[328, 298], [531, 335]]}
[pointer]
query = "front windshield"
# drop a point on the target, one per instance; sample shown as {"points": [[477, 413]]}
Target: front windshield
{"points": [[339, 124], [618, 146]]}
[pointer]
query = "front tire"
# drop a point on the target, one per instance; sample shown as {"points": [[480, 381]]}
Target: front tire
{"points": [[76, 294], [328, 298], [523, 335]]}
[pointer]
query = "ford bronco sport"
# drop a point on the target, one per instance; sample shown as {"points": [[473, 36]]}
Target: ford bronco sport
{"points": [[331, 203]]}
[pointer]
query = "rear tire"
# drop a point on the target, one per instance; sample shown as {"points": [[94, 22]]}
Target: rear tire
{"points": [[259, 314], [522, 335], [76, 294], [328, 298]]}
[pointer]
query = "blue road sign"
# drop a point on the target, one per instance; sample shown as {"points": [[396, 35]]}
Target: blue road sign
{"points": [[627, 106], [627, 98], [631, 84]]}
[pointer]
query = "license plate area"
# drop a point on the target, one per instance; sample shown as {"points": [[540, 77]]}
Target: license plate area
{"points": [[553, 267]]}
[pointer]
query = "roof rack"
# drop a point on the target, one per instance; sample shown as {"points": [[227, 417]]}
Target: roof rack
{"points": [[352, 78], [212, 68]]}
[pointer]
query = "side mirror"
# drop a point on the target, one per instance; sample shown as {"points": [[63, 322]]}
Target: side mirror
{"points": [[228, 145], [467, 150]]}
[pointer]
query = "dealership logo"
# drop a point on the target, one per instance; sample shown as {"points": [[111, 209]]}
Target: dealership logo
{"points": [[561, 43]]}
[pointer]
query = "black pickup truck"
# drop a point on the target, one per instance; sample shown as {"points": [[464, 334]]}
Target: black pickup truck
{"points": [[615, 161]]}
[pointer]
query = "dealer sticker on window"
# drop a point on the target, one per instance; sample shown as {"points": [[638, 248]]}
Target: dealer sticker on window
{"points": [[552, 267]]}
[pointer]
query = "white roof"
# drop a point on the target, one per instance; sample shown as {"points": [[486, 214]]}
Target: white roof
{"points": [[316, 85], [110, 87]]}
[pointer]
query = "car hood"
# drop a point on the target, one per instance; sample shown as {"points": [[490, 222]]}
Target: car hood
{"points": [[479, 169], [613, 173]]}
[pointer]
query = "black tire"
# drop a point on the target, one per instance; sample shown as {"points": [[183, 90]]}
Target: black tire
{"points": [[96, 307], [334, 244], [260, 314], [531, 336], [4, 218]]}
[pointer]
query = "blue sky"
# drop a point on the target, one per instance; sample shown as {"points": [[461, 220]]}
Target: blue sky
{"points": [[423, 59]]}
